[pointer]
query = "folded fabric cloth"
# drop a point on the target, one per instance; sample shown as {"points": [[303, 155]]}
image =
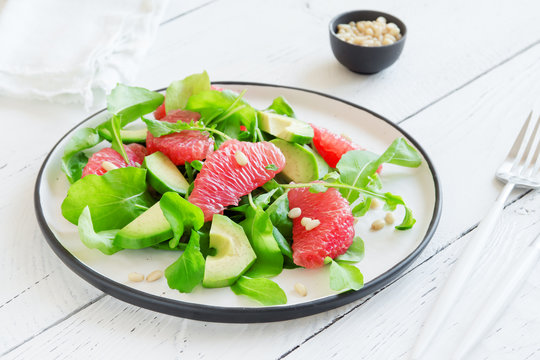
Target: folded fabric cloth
{"points": [[64, 50]]}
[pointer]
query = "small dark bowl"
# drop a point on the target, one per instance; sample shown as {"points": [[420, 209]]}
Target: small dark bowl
{"points": [[363, 59]]}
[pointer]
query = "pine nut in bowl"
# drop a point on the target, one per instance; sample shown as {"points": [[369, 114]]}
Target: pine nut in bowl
{"points": [[366, 41]]}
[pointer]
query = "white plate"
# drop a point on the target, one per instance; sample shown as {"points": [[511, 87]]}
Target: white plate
{"points": [[387, 252]]}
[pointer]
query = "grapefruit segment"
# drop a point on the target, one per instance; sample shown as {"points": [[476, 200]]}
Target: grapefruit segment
{"points": [[331, 237], [222, 180], [187, 145], [331, 146], [135, 153]]}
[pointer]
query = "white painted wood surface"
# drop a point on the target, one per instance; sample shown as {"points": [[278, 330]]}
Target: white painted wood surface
{"points": [[468, 75]]}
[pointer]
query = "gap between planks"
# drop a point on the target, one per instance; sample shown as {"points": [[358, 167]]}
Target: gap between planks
{"points": [[187, 12]]}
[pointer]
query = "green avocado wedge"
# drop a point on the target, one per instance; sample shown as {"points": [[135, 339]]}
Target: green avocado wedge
{"points": [[128, 136], [234, 254], [301, 164], [286, 128], [149, 228], [163, 175]]}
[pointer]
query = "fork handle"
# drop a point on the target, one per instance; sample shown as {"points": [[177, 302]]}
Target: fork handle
{"points": [[460, 274], [499, 298]]}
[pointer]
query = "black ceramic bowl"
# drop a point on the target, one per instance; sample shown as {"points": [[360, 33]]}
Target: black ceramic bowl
{"points": [[363, 59]]}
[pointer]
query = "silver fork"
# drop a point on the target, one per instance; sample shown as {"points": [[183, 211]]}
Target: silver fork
{"points": [[520, 169]]}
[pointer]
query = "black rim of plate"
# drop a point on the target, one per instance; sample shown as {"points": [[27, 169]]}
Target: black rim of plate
{"points": [[236, 314]]}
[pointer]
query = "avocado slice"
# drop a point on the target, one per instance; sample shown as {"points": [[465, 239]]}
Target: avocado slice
{"points": [[324, 168], [163, 175], [234, 254], [149, 228], [301, 164], [286, 128], [128, 136]]}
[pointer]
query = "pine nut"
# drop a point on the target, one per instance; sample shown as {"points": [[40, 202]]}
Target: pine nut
{"points": [[375, 204], [294, 213], [154, 275], [108, 166], [241, 158], [310, 223], [377, 225], [389, 218], [369, 33], [135, 277], [300, 289]]}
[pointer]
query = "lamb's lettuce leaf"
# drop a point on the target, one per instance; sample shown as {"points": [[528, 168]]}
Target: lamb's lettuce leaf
{"points": [[264, 291], [282, 107], [355, 252], [181, 215], [180, 91], [259, 231], [103, 241], [130, 103], [74, 160], [188, 271], [114, 199], [344, 277]]}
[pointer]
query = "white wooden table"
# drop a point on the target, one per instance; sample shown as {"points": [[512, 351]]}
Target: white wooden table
{"points": [[468, 76]]}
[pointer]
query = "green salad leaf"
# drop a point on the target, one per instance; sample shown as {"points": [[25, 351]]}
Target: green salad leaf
{"points": [[282, 107], [357, 167], [117, 144], [181, 215], [188, 271], [278, 212], [259, 231], [74, 160], [180, 91], [355, 252], [264, 291], [344, 277], [103, 241], [114, 199], [283, 244], [226, 111], [130, 103]]}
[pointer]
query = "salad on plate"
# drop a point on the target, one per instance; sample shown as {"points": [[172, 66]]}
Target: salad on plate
{"points": [[241, 194]]}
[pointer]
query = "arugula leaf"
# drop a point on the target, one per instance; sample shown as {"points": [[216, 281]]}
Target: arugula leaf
{"points": [[357, 167], [344, 277], [278, 212], [317, 188], [283, 244], [271, 167], [225, 110], [114, 199], [181, 215], [196, 164], [180, 91], [103, 241], [74, 160], [355, 252], [408, 220], [130, 103], [271, 185], [117, 144], [160, 128], [188, 271], [264, 291], [282, 107], [259, 231]]}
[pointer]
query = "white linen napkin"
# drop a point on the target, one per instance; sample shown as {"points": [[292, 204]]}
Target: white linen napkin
{"points": [[64, 50]]}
